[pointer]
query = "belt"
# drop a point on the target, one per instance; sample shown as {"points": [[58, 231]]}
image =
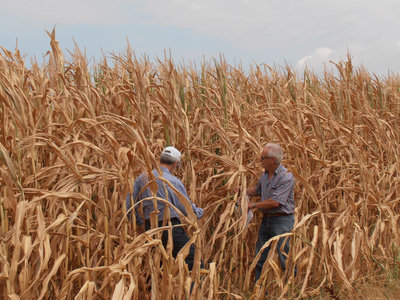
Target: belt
{"points": [[173, 221], [276, 215]]}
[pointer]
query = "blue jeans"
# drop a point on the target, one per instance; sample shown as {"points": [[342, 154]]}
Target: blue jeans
{"points": [[179, 240], [269, 228]]}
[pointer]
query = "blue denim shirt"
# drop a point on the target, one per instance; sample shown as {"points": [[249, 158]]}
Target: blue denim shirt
{"points": [[148, 206], [279, 188]]}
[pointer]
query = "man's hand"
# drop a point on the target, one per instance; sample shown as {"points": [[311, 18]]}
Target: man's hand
{"points": [[140, 229], [249, 191], [235, 189]]}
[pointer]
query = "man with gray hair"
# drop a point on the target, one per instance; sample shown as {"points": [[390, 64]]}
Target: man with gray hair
{"points": [[276, 188], [169, 161]]}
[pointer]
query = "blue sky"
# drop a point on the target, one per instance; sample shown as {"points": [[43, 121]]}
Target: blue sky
{"points": [[301, 33]]}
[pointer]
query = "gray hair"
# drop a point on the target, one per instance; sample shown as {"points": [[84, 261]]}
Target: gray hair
{"points": [[275, 151], [167, 159]]}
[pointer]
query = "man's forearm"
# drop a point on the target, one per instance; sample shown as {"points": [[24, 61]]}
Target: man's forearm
{"points": [[267, 204], [251, 191], [140, 229]]}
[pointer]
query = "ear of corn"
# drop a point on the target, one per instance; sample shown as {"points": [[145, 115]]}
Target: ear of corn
{"points": [[71, 144]]}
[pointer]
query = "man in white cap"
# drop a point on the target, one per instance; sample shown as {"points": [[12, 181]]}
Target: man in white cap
{"points": [[169, 160]]}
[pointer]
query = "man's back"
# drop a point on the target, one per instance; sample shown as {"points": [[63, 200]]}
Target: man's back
{"points": [[164, 192]]}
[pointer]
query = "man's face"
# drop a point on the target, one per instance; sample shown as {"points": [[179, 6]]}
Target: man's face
{"points": [[266, 161]]}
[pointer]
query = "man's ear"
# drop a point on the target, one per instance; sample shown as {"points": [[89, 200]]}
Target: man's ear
{"points": [[174, 166]]}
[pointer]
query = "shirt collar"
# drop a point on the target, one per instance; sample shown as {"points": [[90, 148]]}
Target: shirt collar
{"points": [[277, 170], [164, 169]]}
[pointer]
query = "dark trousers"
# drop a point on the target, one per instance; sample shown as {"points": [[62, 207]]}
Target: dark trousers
{"points": [[269, 228], [179, 239]]}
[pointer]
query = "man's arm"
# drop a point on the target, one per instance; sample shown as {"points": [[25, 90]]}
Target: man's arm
{"points": [[140, 229], [197, 210], [281, 195], [251, 191], [135, 197], [267, 204]]}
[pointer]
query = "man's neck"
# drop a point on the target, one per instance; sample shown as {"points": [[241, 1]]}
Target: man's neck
{"points": [[271, 171], [169, 167]]}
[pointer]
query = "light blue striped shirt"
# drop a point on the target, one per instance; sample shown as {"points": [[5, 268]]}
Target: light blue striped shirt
{"points": [[148, 206], [279, 188]]}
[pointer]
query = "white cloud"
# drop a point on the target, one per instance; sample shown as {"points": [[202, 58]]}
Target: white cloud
{"points": [[316, 60]]}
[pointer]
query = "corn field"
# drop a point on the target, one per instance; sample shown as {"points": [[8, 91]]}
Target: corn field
{"points": [[73, 138]]}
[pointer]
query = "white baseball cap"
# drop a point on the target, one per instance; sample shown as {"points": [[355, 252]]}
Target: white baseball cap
{"points": [[173, 152]]}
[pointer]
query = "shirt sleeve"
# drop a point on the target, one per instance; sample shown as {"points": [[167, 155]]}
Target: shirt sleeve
{"points": [[258, 186], [197, 210], [135, 198], [128, 205]]}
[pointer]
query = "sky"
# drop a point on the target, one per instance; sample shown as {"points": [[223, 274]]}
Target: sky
{"points": [[299, 33]]}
